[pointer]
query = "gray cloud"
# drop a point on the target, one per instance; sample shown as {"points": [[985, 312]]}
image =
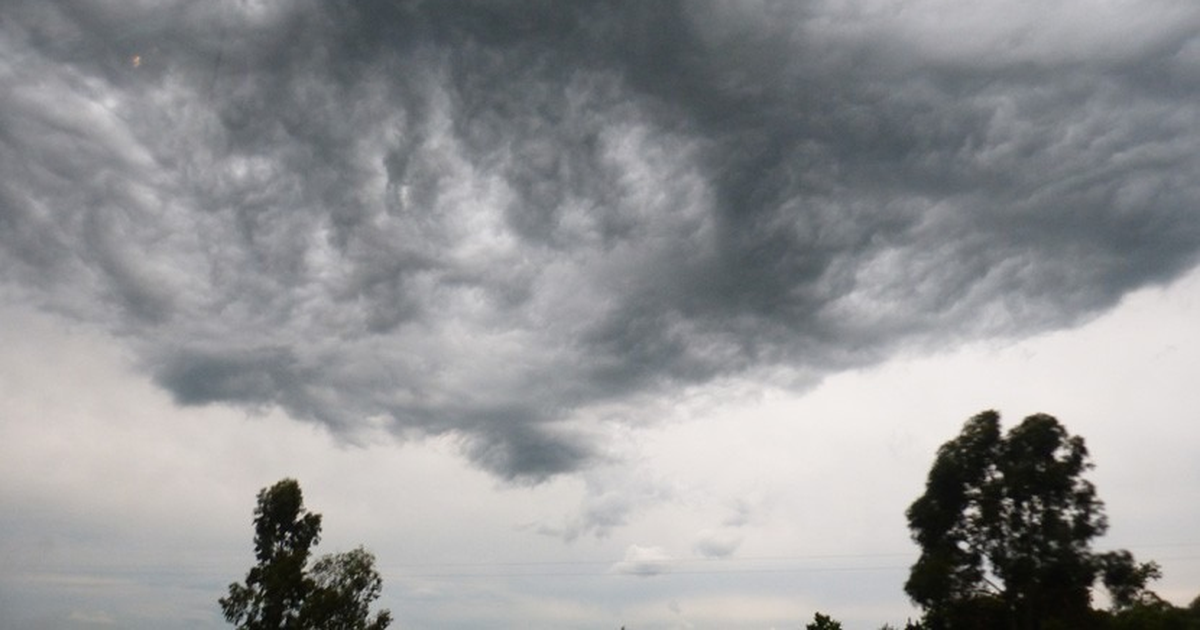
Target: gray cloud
{"points": [[615, 489], [490, 220], [716, 544]]}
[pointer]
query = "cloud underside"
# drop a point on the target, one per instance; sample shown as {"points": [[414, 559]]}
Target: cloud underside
{"points": [[492, 221], [643, 561]]}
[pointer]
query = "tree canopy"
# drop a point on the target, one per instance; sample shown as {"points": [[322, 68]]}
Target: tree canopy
{"points": [[281, 592], [823, 622], [1005, 528]]}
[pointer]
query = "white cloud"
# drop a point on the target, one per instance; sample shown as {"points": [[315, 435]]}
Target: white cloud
{"points": [[644, 561]]}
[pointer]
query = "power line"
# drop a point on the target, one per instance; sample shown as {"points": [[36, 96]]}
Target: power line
{"points": [[667, 571], [788, 558]]}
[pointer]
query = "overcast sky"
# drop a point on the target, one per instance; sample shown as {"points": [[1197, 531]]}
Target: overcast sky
{"points": [[580, 315]]}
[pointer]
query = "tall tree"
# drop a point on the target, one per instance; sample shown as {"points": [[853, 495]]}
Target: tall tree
{"points": [[276, 587], [280, 593], [1005, 528]]}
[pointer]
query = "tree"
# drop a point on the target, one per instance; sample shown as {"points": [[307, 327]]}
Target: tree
{"points": [[280, 593], [1126, 580], [1005, 529], [345, 584], [1152, 613], [823, 622], [275, 588]]}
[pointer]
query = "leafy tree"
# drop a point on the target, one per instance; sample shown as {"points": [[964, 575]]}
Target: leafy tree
{"points": [[1152, 613], [280, 593], [276, 587], [1005, 528], [1126, 580], [345, 584], [823, 622]]}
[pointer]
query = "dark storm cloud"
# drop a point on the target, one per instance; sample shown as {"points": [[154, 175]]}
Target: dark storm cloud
{"points": [[495, 219]]}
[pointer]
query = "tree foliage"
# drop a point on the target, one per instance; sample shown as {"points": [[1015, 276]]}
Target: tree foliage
{"points": [[1152, 613], [281, 593], [345, 584], [823, 622], [1005, 528]]}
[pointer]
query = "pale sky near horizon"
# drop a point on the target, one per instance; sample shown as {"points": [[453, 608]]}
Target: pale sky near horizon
{"points": [[580, 315]]}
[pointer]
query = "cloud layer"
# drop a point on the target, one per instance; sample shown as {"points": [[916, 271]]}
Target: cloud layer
{"points": [[496, 220]]}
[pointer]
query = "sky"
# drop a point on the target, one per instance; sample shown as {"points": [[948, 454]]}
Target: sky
{"points": [[580, 315]]}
